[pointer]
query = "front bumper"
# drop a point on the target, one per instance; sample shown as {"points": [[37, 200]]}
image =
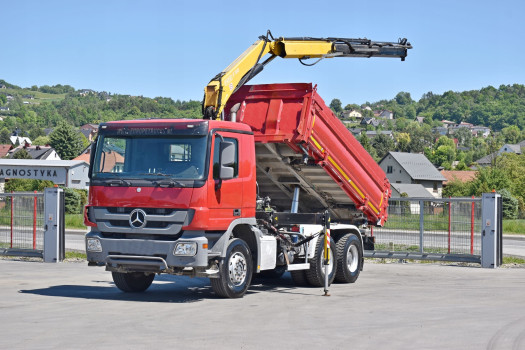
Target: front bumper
{"points": [[122, 254]]}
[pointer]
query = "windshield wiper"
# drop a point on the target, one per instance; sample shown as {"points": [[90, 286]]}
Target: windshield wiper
{"points": [[117, 182], [169, 183]]}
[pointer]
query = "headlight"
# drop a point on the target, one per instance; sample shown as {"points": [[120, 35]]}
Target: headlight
{"points": [[93, 245], [185, 249]]}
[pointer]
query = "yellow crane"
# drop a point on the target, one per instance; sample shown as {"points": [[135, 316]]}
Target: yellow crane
{"points": [[249, 64]]}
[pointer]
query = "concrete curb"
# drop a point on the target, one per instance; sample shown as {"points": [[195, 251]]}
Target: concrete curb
{"points": [[515, 237]]}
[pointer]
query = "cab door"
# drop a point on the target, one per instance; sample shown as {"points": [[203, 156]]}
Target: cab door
{"points": [[225, 197]]}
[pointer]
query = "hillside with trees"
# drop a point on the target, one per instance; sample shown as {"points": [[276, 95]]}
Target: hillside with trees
{"points": [[496, 108], [33, 109]]}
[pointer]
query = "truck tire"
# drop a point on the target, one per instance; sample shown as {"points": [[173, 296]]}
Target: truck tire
{"points": [[235, 271], [315, 275], [349, 258], [132, 282]]}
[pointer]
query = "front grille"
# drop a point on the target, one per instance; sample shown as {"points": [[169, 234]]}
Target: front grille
{"points": [[149, 224], [149, 211], [158, 221]]}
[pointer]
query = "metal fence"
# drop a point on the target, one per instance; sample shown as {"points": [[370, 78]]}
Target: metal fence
{"points": [[22, 223], [430, 229]]}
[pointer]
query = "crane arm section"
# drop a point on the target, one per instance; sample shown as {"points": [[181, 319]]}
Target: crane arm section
{"points": [[249, 63]]}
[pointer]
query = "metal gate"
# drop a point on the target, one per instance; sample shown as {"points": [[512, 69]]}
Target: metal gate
{"points": [[32, 224], [447, 229], [22, 224]]}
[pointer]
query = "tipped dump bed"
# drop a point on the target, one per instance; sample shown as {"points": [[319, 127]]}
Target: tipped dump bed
{"points": [[301, 143]]}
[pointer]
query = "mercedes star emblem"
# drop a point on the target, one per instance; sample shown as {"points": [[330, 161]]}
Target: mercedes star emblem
{"points": [[137, 218]]}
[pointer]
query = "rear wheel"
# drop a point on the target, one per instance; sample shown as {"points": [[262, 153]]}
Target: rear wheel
{"points": [[235, 271], [132, 282], [315, 275], [349, 258]]}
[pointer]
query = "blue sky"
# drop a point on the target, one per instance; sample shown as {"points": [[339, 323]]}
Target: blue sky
{"points": [[173, 48]]}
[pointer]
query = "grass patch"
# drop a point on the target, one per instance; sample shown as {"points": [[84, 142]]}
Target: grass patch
{"points": [[70, 255], [408, 248], [75, 221], [38, 95], [513, 260], [514, 227]]}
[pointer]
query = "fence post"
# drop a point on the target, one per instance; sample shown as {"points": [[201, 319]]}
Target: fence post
{"points": [[449, 222], [34, 221], [472, 229], [53, 224], [421, 224], [491, 236], [12, 223]]}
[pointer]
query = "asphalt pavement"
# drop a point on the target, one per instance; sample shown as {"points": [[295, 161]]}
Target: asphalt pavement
{"points": [[391, 306]]}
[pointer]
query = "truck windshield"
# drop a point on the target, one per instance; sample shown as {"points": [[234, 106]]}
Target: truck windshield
{"points": [[143, 157]]}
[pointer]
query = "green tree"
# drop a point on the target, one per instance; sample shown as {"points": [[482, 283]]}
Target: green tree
{"points": [[382, 145], [66, 141], [488, 179], [36, 132], [72, 201], [3, 100], [85, 141], [511, 134], [21, 154], [27, 185], [5, 136], [456, 188], [365, 142], [509, 204], [464, 137], [403, 98], [352, 106], [336, 106], [403, 142], [41, 141]]}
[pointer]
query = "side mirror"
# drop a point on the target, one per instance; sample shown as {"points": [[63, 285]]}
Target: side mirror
{"points": [[226, 160], [92, 152]]}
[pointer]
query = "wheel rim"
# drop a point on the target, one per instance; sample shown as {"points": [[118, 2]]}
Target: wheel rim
{"points": [[352, 258], [237, 269]]}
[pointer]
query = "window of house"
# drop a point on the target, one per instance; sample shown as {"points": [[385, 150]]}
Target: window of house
{"points": [[389, 169], [435, 187]]}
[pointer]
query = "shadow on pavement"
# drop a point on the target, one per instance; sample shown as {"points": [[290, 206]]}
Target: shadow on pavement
{"points": [[165, 289]]}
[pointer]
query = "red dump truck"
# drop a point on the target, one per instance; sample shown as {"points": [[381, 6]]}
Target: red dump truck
{"points": [[227, 199]]}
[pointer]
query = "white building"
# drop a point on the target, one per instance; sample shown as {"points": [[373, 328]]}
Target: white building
{"points": [[412, 168], [68, 173]]}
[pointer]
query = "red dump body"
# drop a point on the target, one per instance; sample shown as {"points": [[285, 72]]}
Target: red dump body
{"points": [[294, 115]]}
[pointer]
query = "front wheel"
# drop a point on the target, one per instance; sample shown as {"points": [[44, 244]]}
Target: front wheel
{"points": [[349, 258], [132, 282], [235, 271]]}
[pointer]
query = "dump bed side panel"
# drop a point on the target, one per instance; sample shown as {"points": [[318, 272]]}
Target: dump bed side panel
{"points": [[294, 115]]}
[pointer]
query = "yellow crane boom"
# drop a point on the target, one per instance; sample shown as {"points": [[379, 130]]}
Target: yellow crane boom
{"points": [[249, 64]]}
